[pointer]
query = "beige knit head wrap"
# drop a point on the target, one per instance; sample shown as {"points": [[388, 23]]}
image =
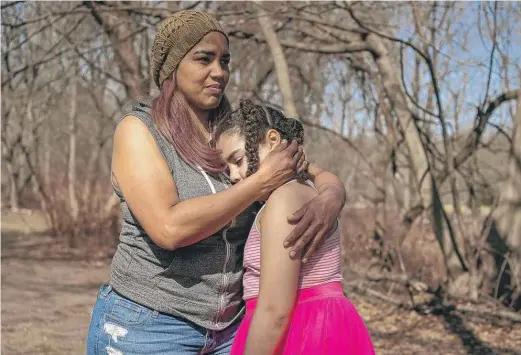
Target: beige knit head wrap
{"points": [[175, 37]]}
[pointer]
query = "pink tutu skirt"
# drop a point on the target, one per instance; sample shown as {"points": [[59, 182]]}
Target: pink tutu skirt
{"points": [[323, 322]]}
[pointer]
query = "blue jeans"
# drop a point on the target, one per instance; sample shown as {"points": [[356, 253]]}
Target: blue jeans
{"points": [[120, 326]]}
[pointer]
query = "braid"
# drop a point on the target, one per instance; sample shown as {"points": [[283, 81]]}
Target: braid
{"points": [[255, 127], [250, 121]]}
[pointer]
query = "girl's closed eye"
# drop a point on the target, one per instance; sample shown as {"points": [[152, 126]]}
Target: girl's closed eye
{"points": [[238, 161]]}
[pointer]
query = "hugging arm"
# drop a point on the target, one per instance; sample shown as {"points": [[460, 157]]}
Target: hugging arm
{"points": [[142, 175]]}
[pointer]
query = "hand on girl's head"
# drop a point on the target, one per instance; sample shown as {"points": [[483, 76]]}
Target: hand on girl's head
{"points": [[280, 164], [296, 152], [298, 157]]}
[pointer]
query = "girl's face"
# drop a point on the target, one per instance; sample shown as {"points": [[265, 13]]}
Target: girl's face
{"points": [[203, 73], [232, 147]]}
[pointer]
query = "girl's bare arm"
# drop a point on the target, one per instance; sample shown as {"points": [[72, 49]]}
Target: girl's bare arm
{"points": [[279, 273]]}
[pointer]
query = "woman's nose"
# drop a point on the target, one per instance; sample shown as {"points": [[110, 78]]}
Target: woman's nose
{"points": [[218, 72]]}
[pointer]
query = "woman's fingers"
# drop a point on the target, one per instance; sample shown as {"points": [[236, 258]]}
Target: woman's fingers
{"points": [[305, 164], [297, 216], [314, 245], [297, 156], [304, 240], [303, 167], [301, 227], [292, 148]]}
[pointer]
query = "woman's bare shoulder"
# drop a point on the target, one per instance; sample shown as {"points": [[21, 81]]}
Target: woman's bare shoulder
{"points": [[132, 134], [130, 126], [134, 142]]}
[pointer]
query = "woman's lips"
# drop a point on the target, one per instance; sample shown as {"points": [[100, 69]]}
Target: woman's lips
{"points": [[215, 89]]}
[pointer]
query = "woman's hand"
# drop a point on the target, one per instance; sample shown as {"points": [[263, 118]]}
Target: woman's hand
{"points": [[316, 219], [314, 222], [280, 165]]}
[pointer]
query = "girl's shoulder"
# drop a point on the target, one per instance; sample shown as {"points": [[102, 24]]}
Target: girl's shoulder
{"points": [[286, 200], [293, 192]]}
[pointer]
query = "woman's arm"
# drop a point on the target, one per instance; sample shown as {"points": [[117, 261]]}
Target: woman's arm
{"points": [[142, 175], [279, 273], [316, 218]]}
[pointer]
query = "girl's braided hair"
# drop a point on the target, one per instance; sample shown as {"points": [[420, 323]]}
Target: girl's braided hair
{"points": [[252, 121]]}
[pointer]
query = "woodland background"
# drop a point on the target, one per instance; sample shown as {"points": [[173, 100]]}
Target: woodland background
{"points": [[414, 105]]}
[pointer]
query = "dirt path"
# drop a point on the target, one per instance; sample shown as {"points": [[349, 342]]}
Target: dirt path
{"points": [[46, 306], [47, 299]]}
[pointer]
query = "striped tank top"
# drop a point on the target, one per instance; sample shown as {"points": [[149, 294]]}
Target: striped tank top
{"points": [[322, 267]]}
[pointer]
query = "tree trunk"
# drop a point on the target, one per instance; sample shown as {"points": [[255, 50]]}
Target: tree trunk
{"points": [[46, 171], [398, 100], [13, 188], [117, 25], [279, 59], [71, 173], [423, 178], [510, 221], [47, 145], [508, 215]]}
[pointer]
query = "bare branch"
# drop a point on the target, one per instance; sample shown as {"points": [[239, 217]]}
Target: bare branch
{"points": [[482, 119], [10, 3]]}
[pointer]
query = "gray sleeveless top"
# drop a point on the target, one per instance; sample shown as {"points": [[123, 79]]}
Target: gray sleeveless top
{"points": [[201, 282]]}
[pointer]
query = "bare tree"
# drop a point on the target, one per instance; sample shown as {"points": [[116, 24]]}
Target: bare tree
{"points": [[279, 59], [387, 103], [350, 31]]}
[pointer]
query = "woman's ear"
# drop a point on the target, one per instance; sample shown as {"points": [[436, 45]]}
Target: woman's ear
{"points": [[272, 138]]}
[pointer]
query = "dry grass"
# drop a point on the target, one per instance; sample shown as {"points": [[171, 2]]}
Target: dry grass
{"points": [[420, 252]]}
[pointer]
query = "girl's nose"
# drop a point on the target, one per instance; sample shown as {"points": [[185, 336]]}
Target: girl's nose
{"points": [[234, 177]]}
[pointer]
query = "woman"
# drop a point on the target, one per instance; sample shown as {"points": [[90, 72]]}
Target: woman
{"points": [[175, 281], [290, 308]]}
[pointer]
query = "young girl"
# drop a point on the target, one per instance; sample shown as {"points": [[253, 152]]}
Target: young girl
{"points": [[293, 308]]}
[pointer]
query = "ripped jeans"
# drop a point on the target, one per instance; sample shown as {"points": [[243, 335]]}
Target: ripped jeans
{"points": [[119, 326]]}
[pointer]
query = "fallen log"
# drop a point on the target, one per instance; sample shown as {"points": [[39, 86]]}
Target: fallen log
{"points": [[403, 279], [499, 313]]}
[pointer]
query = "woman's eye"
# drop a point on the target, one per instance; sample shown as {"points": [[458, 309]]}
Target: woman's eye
{"points": [[204, 59], [225, 61], [238, 161]]}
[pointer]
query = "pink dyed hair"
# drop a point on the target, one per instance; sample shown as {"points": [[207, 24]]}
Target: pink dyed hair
{"points": [[171, 117]]}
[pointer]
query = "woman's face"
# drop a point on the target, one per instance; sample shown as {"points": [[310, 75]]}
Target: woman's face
{"points": [[203, 73], [232, 147]]}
